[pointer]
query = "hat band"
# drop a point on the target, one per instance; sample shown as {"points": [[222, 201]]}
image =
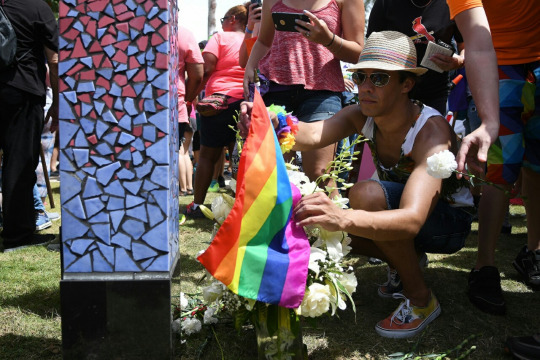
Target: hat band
{"points": [[378, 54]]}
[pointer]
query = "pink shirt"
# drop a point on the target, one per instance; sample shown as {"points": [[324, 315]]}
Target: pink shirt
{"points": [[188, 52], [228, 76], [294, 60]]}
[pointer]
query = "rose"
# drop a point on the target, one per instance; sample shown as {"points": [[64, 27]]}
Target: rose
{"points": [[315, 256], [176, 325], [316, 300], [191, 326], [212, 292], [349, 282], [441, 165]]}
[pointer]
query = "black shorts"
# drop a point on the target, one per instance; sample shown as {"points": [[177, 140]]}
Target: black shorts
{"points": [[183, 128], [196, 143], [215, 130]]}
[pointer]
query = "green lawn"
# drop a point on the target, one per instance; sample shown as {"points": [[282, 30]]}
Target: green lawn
{"points": [[30, 305]]}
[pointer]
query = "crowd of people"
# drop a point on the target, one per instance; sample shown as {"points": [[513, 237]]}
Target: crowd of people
{"points": [[401, 91], [401, 108]]}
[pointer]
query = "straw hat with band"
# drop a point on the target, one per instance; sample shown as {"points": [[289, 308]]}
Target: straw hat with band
{"points": [[388, 50]]}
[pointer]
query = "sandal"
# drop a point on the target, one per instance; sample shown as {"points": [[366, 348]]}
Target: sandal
{"points": [[189, 192]]}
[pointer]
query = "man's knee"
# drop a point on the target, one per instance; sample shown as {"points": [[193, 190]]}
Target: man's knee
{"points": [[367, 195]]}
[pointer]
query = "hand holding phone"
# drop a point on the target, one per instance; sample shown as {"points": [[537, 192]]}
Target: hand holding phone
{"points": [[284, 21], [258, 2]]}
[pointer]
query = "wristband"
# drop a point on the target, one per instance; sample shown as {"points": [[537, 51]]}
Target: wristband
{"points": [[249, 31], [189, 103], [331, 41]]}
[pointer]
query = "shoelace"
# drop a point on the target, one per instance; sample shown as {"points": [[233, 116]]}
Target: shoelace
{"points": [[404, 309], [393, 277]]}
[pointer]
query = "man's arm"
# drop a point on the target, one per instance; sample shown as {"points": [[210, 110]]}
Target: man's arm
{"points": [[52, 61], [210, 61], [483, 79], [419, 197]]}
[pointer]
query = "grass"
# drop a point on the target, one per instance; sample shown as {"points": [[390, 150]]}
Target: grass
{"points": [[30, 323]]}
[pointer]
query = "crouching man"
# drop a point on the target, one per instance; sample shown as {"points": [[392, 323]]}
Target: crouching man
{"points": [[407, 212]]}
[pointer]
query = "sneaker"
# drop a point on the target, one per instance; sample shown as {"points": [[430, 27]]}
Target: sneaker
{"points": [[393, 285], [192, 213], [214, 186], [408, 320], [54, 245], [527, 264], [42, 221], [485, 292], [53, 216], [524, 347], [181, 219]]}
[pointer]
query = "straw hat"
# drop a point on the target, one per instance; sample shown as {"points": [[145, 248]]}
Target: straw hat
{"points": [[388, 50]]}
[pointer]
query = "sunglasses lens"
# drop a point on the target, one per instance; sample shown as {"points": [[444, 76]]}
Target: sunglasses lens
{"points": [[379, 79], [359, 78]]}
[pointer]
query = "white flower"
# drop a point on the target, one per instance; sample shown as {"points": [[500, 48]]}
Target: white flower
{"points": [[183, 301], [340, 201], [209, 316], [441, 165], [349, 282], [315, 256], [176, 326], [191, 326], [212, 292], [232, 184], [333, 240], [316, 300], [345, 248], [297, 178], [309, 188]]}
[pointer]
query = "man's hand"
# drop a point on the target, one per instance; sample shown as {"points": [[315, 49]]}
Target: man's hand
{"points": [[474, 149], [52, 114], [318, 209], [245, 118]]}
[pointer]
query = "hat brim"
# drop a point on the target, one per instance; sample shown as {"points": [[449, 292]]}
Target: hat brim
{"points": [[382, 66]]}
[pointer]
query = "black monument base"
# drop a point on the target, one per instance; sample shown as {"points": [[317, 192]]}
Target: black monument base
{"points": [[128, 319]]}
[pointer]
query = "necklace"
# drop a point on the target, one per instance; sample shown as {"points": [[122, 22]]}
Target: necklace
{"points": [[422, 6]]}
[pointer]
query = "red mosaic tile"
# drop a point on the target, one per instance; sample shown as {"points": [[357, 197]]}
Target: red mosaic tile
{"points": [[112, 29], [120, 56], [123, 27], [77, 109], [88, 75], [75, 69], [63, 10], [107, 40], [98, 6], [142, 43], [96, 59], [108, 100], [156, 39], [137, 131], [64, 24], [84, 20], [156, 22], [120, 8], [133, 63], [104, 21], [164, 31], [126, 16], [141, 76], [71, 34], [79, 49], [128, 92], [122, 45], [85, 98], [95, 47], [138, 23], [103, 83], [162, 4], [120, 79], [106, 63], [91, 28], [162, 61], [62, 85]]}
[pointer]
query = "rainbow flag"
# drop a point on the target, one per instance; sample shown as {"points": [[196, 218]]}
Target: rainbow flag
{"points": [[259, 252]]}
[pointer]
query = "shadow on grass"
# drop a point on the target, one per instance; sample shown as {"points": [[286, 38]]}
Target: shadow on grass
{"points": [[41, 302], [17, 347]]}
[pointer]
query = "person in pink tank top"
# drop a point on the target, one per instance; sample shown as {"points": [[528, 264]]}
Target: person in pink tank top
{"points": [[304, 67]]}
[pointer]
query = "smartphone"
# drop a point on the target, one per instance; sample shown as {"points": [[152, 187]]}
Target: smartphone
{"points": [[284, 21], [259, 2]]}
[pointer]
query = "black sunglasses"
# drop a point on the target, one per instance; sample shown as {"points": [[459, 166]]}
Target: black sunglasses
{"points": [[225, 18], [378, 79]]}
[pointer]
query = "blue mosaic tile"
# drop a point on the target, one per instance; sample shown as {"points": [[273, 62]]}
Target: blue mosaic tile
{"points": [[65, 65], [138, 144], [100, 264], [141, 251], [100, 161], [87, 60], [129, 105], [144, 169], [103, 149], [116, 91], [80, 140], [110, 138], [133, 186], [141, 119], [91, 188], [149, 105], [106, 73], [132, 201], [105, 174], [146, 263], [90, 170], [107, 252], [137, 158], [159, 153], [85, 86], [149, 133], [72, 228], [134, 228], [68, 153], [152, 73], [125, 174], [163, 48], [101, 128], [160, 175], [162, 81], [160, 264], [122, 240], [140, 11], [161, 198], [69, 257], [71, 186], [101, 217], [88, 125], [101, 31], [75, 207], [103, 232], [125, 138], [160, 120], [93, 206], [81, 156], [109, 117], [149, 186], [80, 246], [116, 218], [163, 100], [125, 122], [131, 73], [68, 130], [155, 216], [115, 188], [124, 262], [138, 212], [153, 12], [157, 237], [164, 16], [148, 92], [86, 108], [126, 156], [118, 103], [83, 264], [150, 56], [100, 91]]}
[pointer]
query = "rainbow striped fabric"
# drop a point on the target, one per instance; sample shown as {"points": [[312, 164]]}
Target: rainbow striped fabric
{"points": [[259, 252]]}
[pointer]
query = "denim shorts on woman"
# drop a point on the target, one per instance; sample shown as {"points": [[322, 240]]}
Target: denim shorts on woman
{"points": [[215, 130], [446, 228], [306, 105]]}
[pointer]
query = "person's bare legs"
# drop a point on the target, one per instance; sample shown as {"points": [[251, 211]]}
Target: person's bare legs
{"points": [[315, 162], [401, 255], [208, 158]]}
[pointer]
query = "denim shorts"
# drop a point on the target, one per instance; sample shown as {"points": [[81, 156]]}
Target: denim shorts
{"points": [[306, 105], [446, 228], [215, 130]]}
